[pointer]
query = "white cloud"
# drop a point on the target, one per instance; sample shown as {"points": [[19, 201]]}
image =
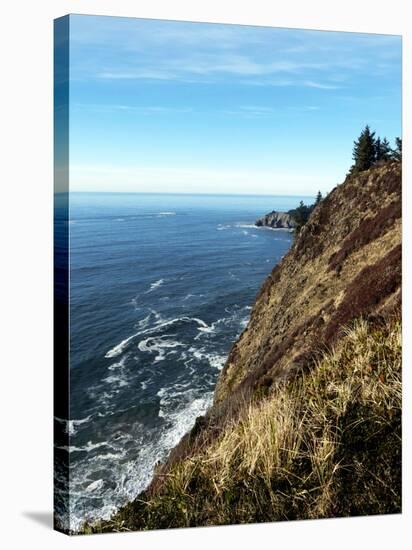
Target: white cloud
{"points": [[209, 68], [139, 74], [179, 68], [261, 111], [319, 85], [147, 110], [129, 48]]}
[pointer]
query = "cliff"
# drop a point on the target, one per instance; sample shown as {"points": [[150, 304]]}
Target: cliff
{"points": [[345, 263], [276, 220], [306, 420]]}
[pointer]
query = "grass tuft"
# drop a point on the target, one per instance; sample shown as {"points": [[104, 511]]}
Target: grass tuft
{"points": [[325, 444]]}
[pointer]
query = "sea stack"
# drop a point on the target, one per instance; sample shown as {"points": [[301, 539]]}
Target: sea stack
{"points": [[276, 220]]}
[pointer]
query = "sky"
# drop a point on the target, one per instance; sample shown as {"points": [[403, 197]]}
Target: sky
{"points": [[165, 106]]}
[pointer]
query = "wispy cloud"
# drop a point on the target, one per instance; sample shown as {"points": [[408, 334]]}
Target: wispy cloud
{"points": [[260, 111], [246, 66], [251, 74], [137, 75], [296, 82], [147, 110], [246, 111], [251, 111], [214, 64], [257, 109], [177, 51], [319, 85]]}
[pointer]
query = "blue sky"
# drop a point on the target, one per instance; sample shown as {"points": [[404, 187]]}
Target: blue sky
{"points": [[163, 106]]}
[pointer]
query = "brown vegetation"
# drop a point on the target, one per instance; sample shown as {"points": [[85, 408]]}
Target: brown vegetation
{"points": [[308, 295], [325, 445]]}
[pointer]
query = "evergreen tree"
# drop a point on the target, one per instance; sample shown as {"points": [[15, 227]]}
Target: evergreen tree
{"points": [[318, 198], [383, 150], [397, 153], [364, 151], [301, 215], [378, 146]]}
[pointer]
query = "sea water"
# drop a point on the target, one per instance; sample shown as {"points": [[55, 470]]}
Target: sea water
{"points": [[160, 288]]}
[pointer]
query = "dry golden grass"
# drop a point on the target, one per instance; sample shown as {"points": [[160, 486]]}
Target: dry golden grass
{"points": [[352, 229], [325, 444]]}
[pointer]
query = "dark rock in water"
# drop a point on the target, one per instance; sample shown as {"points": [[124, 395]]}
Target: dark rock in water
{"points": [[276, 220]]}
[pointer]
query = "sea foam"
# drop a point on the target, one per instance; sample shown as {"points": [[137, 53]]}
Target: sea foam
{"points": [[155, 285]]}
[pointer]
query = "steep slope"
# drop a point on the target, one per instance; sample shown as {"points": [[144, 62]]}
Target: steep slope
{"points": [[326, 445], [306, 420], [346, 262]]}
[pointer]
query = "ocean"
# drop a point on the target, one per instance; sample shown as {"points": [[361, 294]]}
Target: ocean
{"points": [[160, 287]]}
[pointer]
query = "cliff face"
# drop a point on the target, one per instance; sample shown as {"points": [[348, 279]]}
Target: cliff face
{"points": [[276, 220], [277, 444], [346, 262]]}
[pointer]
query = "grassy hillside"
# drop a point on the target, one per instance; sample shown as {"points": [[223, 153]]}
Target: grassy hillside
{"points": [[324, 445], [345, 262]]}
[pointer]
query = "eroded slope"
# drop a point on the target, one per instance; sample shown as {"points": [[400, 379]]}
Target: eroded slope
{"points": [[346, 262]]}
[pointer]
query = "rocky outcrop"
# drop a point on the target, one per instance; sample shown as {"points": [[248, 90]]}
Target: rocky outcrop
{"points": [[276, 220]]}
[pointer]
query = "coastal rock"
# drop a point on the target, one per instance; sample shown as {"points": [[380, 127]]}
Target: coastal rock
{"points": [[276, 220]]}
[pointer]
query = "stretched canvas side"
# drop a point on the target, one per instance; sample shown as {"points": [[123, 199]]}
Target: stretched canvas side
{"points": [[61, 274]]}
